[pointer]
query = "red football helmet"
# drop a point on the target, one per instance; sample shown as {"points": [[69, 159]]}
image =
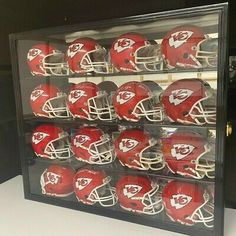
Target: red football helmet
{"points": [[47, 100], [86, 101], [189, 47], [57, 181], [139, 194], [85, 55], [185, 154], [133, 52], [45, 60], [50, 141], [188, 203], [135, 149], [92, 145], [134, 100], [190, 101], [93, 186]]}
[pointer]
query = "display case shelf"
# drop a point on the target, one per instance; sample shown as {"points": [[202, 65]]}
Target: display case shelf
{"points": [[145, 123]]}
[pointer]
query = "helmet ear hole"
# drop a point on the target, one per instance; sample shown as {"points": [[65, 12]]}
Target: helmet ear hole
{"points": [[185, 55], [126, 61]]}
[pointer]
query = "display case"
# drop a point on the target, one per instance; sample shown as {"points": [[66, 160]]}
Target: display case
{"points": [[126, 118]]}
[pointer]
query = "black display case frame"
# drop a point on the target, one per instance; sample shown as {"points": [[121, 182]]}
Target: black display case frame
{"points": [[222, 11]]}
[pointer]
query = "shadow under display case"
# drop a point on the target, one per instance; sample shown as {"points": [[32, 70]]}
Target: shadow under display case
{"points": [[126, 118]]}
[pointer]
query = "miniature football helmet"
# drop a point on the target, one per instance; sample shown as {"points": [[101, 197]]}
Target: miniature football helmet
{"points": [[92, 145], [50, 141], [57, 181], [93, 186], [139, 194], [189, 47], [136, 149], [190, 101], [47, 100], [86, 101], [85, 55], [185, 153], [187, 203], [132, 52], [45, 60], [134, 100]]}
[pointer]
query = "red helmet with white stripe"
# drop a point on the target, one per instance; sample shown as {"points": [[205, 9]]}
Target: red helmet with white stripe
{"points": [[86, 55], [190, 101], [139, 194], [93, 186], [50, 141], [133, 52], [47, 100], [135, 100], [136, 149], [188, 153], [57, 181], [92, 145], [188, 203], [45, 60], [188, 47]]}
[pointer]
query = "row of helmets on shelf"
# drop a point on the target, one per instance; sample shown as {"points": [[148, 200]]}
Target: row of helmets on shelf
{"points": [[183, 152], [186, 101], [182, 47], [187, 203]]}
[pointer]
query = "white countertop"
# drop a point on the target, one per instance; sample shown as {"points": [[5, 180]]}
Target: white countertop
{"points": [[20, 217]]}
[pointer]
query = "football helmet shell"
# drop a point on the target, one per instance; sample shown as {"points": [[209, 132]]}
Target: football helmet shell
{"points": [[93, 186], [92, 145], [57, 181], [135, 149], [134, 100], [132, 52], [45, 60], [188, 47], [50, 141], [190, 101], [47, 100], [86, 55], [86, 101], [185, 153], [188, 203], [139, 194]]}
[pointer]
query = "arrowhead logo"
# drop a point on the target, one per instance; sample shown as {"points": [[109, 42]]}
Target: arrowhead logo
{"points": [[179, 201], [131, 190], [52, 178], [33, 53], [75, 95], [179, 38], [124, 96], [73, 49], [80, 139], [180, 95], [36, 94], [180, 151], [38, 137], [123, 44], [127, 144], [81, 183]]}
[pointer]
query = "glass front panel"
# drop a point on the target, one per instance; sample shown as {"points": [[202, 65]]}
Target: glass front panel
{"points": [[124, 117]]}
